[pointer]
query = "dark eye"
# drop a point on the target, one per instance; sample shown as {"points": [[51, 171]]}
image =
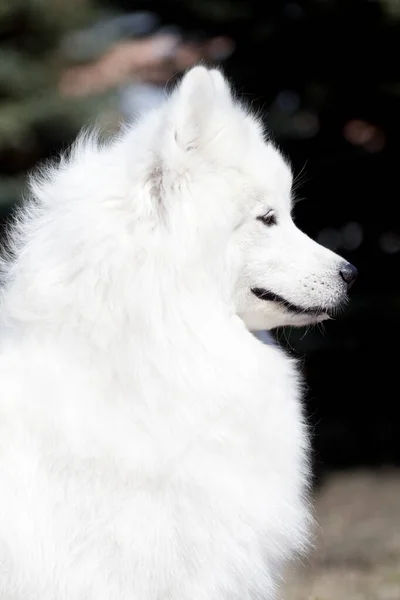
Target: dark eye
{"points": [[268, 219]]}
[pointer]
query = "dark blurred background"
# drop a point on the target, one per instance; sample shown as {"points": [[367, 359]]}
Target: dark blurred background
{"points": [[325, 73]]}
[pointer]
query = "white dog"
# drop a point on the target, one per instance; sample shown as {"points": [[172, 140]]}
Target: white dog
{"points": [[151, 448]]}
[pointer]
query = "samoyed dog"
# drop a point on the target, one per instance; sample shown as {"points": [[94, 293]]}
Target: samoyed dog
{"points": [[151, 448]]}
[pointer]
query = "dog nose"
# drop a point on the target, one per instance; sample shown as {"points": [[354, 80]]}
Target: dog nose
{"points": [[349, 274]]}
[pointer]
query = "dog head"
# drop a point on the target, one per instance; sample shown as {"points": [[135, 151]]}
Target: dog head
{"points": [[239, 187]]}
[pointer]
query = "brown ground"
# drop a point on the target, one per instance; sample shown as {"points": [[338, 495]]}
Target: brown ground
{"points": [[357, 555]]}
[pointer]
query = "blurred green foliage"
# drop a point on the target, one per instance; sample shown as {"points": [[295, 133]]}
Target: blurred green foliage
{"points": [[35, 121]]}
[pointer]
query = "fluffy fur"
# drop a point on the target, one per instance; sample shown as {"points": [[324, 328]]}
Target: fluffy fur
{"points": [[151, 448]]}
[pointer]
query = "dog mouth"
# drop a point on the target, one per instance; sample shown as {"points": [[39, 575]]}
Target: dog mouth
{"points": [[315, 311]]}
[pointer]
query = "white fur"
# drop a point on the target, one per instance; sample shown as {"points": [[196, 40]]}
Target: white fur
{"points": [[150, 446]]}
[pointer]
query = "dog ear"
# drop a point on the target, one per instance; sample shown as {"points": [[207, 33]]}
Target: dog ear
{"points": [[222, 86], [200, 94]]}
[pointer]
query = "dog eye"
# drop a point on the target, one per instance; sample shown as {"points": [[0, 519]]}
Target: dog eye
{"points": [[268, 219]]}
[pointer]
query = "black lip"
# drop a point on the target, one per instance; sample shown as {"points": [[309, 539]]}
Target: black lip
{"points": [[271, 297]]}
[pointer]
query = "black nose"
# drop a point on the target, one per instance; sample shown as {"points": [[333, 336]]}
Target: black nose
{"points": [[349, 274]]}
